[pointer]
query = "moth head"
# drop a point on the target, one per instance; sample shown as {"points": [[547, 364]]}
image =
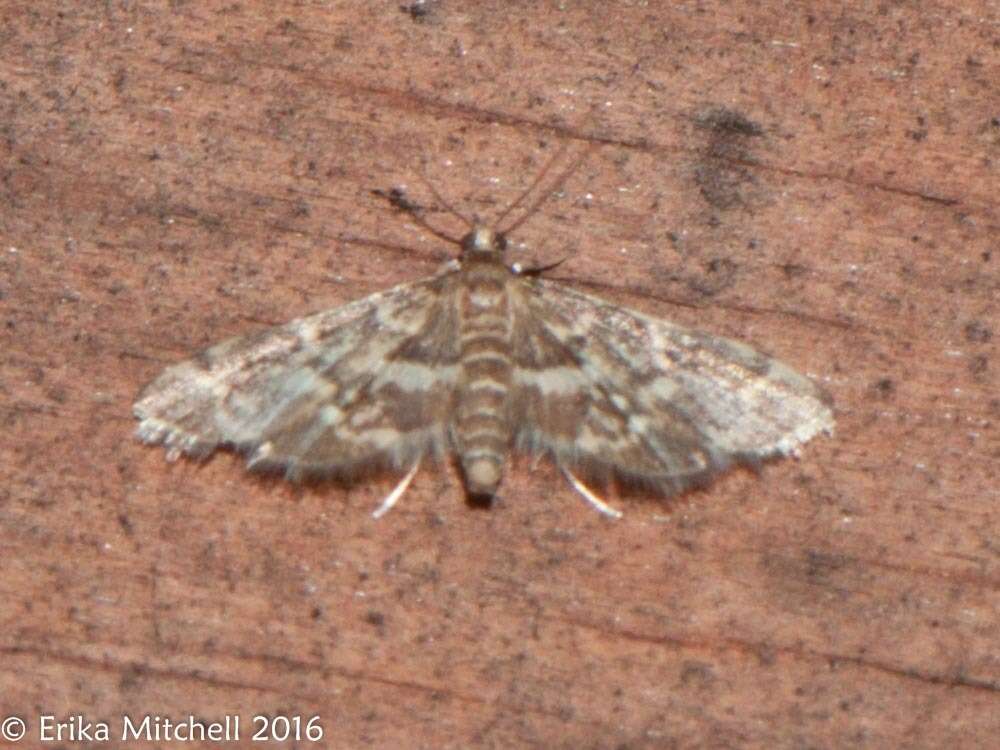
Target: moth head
{"points": [[482, 243]]}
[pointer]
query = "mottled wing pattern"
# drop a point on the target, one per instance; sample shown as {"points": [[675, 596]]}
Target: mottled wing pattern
{"points": [[613, 393], [364, 386]]}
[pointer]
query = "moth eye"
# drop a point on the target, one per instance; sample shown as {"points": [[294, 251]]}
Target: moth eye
{"points": [[501, 241]]}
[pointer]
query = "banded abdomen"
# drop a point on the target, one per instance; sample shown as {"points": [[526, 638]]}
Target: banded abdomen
{"points": [[482, 425]]}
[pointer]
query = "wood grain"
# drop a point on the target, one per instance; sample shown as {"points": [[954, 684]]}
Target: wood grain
{"points": [[820, 184]]}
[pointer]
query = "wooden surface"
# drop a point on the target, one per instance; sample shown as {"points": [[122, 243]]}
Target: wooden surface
{"points": [[821, 184]]}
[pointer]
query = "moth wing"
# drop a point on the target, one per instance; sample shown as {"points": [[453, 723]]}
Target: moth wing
{"points": [[365, 386], [613, 393]]}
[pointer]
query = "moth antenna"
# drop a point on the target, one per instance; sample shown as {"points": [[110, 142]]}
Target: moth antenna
{"points": [[530, 189], [400, 202], [560, 181], [556, 186], [595, 502], [397, 493], [437, 196]]}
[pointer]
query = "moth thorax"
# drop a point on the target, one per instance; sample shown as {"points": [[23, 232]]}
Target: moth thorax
{"points": [[483, 241]]}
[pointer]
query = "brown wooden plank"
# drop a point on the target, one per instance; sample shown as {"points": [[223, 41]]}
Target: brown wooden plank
{"points": [[820, 183]]}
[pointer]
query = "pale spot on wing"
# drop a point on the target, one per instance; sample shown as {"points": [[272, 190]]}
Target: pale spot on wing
{"points": [[413, 376], [305, 381], [665, 388], [638, 422], [380, 439], [591, 443], [309, 331], [552, 381], [620, 402], [366, 415], [331, 414]]}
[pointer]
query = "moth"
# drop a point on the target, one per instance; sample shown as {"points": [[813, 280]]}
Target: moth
{"points": [[482, 360]]}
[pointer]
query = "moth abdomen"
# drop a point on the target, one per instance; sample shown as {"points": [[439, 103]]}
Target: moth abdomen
{"points": [[482, 417]]}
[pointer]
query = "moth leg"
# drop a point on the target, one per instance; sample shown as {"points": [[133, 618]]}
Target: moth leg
{"points": [[397, 493], [596, 503]]}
